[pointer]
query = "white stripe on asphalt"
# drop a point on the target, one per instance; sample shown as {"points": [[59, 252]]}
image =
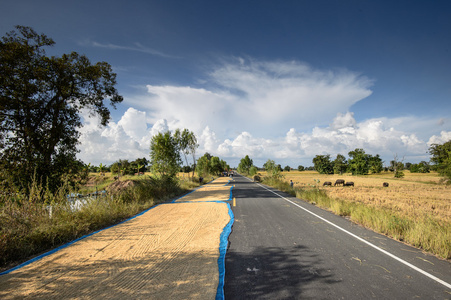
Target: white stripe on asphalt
{"points": [[366, 242]]}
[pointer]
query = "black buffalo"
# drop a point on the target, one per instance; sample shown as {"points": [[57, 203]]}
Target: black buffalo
{"points": [[385, 184], [339, 181], [327, 183], [350, 183]]}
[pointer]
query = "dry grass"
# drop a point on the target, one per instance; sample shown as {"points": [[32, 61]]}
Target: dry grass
{"points": [[415, 195]]}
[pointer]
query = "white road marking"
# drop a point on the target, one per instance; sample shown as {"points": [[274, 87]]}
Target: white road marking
{"points": [[364, 241]]}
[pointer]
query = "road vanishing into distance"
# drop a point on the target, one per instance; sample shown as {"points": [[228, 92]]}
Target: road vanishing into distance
{"points": [[284, 248]]}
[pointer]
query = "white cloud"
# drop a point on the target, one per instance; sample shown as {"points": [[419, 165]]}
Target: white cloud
{"points": [[258, 97], [284, 111], [444, 137]]}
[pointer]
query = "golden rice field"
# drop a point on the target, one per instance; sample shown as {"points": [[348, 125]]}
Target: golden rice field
{"points": [[415, 195]]}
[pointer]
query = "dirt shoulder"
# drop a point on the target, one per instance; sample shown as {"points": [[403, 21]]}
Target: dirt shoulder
{"points": [[169, 252]]}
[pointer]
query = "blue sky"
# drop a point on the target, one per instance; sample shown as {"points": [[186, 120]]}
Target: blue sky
{"points": [[281, 80]]}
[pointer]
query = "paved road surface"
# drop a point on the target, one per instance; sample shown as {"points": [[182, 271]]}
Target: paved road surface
{"points": [[279, 250]]}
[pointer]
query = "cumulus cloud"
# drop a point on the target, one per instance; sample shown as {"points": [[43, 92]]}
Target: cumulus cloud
{"points": [[258, 97], [444, 137], [286, 111]]}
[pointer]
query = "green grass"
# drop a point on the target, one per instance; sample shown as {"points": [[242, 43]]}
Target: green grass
{"points": [[425, 232]]}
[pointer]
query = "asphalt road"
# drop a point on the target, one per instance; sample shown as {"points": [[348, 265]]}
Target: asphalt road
{"points": [[285, 248]]}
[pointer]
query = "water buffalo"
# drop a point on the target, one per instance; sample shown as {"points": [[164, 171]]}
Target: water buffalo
{"points": [[349, 183], [327, 183], [339, 181], [385, 184]]}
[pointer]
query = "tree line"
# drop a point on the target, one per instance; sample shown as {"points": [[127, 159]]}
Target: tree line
{"points": [[361, 163]]}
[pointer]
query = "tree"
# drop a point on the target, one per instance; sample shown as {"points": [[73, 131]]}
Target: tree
{"points": [[245, 165], [216, 168], [203, 166], [358, 163], [340, 164], [301, 168], [253, 171], [323, 164], [272, 169], [375, 164], [422, 167], [287, 168], [397, 166], [187, 144], [441, 158], [40, 102], [165, 155]]}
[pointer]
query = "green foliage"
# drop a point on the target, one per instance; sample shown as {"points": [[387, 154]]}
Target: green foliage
{"points": [[358, 162], [164, 155], [287, 168], [441, 158], [323, 164], [301, 168], [40, 101], [375, 164], [340, 164], [422, 167], [187, 142], [272, 169], [245, 164], [210, 165], [253, 171]]}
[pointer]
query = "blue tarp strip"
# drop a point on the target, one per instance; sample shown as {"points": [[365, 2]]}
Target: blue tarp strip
{"points": [[223, 243]]}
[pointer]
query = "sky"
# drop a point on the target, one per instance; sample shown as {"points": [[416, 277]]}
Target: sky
{"points": [[280, 80]]}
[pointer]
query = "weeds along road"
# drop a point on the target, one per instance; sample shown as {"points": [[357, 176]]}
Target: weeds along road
{"points": [[283, 248]]}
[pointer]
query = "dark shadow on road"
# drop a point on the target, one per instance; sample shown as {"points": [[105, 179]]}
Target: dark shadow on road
{"points": [[275, 273]]}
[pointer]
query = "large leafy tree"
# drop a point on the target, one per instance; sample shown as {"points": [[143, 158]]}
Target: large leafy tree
{"points": [[323, 164], [358, 162], [187, 144], [40, 101], [272, 169], [165, 155], [441, 158], [245, 164], [340, 164]]}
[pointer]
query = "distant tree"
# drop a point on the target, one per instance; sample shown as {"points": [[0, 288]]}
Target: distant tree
{"points": [[422, 167], [287, 168], [41, 99], [375, 164], [253, 171], [272, 169], [203, 165], [245, 165], [396, 167], [441, 158], [216, 167], [165, 155], [301, 168], [187, 142], [340, 164], [323, 164], [358, 162]]}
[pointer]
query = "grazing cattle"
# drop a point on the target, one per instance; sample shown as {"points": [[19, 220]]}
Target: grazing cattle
{"points": [[327, 183], [350, 183], [385, 184], [339, 181]]}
